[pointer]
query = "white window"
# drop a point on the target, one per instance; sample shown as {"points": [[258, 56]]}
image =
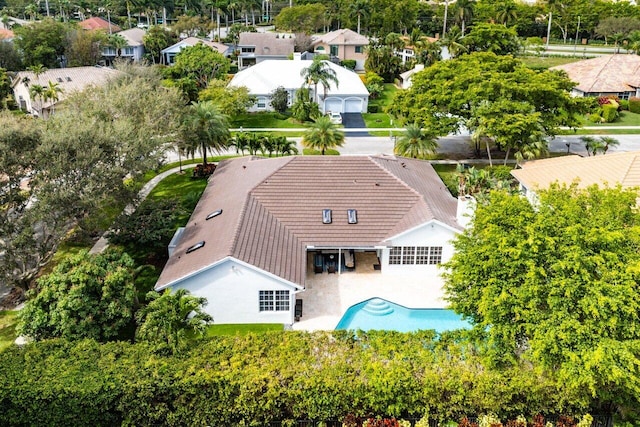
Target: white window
{"points": [[274, 300], [421, 255], [262, 103], [128, 51]]}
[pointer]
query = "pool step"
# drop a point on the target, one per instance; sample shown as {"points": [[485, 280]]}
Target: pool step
{"points": [[378, 307]]}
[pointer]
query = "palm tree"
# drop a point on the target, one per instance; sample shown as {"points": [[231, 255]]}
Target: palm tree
{"points": [[453, 42], [464, 12], [319, 72], [51, 93], [170, 318], [360, 8], [207, 127], [617, 39], [240, 142], [285, 146], [428, 53], [600, 145], [507, 13], [323, 135], [117, 42], [608, 141], [37, 92], [415, 143]]}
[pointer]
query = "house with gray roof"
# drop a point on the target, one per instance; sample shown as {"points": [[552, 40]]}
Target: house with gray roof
{"points": [[265, 227], [168, 54], [254, 48], [134, 49]]}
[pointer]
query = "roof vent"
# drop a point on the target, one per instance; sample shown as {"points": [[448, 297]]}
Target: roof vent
{"points": [[214, 214], [326, 216], [352, 216], [68, 78], [59, 79], [195, 247]]}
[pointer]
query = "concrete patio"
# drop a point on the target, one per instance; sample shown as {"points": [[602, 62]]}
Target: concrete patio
{"points": [[328, 296]]}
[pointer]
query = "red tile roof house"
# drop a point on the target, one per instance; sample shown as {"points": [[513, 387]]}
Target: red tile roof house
{"points": [[262, 227], [97, 23]]}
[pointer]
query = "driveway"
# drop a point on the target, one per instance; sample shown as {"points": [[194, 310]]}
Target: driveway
{"points": [[354, 121]]}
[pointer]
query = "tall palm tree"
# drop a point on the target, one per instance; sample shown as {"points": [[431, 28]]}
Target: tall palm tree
{"points": [[507, 13], [319, 72], [464, 12], [453, 42], [207, 127], [416, 143], [323, 135], [359, 8], [117, 42], [36, 92], [51, 93]]}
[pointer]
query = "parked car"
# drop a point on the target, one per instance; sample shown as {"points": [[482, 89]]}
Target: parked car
{"points": [[336, 117]]}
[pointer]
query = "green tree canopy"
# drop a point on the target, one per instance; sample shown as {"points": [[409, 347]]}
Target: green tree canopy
{"points": [[306, 18], [323, 135], [86, 296], [199, 63], [233, 100], [156, 39], [493, 38], [556, 283], [42, 42]]}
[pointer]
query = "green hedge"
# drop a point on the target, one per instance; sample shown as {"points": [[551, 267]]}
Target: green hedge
{"points": [[634, 105], [255, 379], [609, 112]]}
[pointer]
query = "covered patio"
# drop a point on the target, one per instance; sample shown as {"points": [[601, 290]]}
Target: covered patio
{"points": [[327, 296]]}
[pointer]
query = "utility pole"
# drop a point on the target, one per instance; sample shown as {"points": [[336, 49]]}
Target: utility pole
{"points": [[446, 12], [549, 31], [575, 46]]}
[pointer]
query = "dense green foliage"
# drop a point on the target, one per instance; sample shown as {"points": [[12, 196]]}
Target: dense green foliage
{"points": [[272, 376], [280, 99], [323, 135], [556, 283], [86, 296], [42, 43]]}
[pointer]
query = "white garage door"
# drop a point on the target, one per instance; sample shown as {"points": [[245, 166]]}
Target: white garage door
{"points": [[353, 106], [333, 104]]}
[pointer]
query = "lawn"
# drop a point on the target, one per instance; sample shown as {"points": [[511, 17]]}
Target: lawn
{"points": [[385, 98], [267, 119], [8, 320], [242, 329], [626, 118], [543, 62]]}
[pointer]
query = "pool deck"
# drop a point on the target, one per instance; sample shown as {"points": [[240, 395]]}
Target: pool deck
{"points": [[328, 296]]}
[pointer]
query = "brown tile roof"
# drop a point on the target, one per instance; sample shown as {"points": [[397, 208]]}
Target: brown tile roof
{"points": [[608, 73], [610, 169], [6, 34], [267, 43], [97, 23], [272, 210], [344, 36]]}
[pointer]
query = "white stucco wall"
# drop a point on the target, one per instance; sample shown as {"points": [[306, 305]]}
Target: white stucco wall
{"points": [[430, 234], [232, 288]]}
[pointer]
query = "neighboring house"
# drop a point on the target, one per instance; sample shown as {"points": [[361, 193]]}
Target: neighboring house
{"points": [[617, 74], [264, 227], [168, 54], [611, 169], [6, 35], [97, 23], [134, 50], [407, 75], [409, 51], [343, 44], [69, 80], [253, 48], [350, 96]]}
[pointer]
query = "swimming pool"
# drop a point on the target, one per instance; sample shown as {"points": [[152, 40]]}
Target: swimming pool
{"points": [[377, 313]]}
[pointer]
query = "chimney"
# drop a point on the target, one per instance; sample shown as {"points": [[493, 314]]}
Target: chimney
{"points": [[465, 211]]}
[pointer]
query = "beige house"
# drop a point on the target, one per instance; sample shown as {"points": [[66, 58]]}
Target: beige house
{"points": [[611, 169], [617, 74], [343, 44]]}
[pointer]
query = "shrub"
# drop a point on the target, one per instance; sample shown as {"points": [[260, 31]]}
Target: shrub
{"points": [[372, 108], [610, 112], [203, 171], [634, 105], [312, 152], [375, 90], [595, 118], [372, 78], [280, 99], [624, 105], [501, 173], [349, 63]]}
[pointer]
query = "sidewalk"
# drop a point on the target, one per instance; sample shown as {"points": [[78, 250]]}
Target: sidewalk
{"points": [[102, 243]]}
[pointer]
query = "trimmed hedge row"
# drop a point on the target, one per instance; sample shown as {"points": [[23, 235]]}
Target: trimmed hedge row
{"points": [[256, 379]]}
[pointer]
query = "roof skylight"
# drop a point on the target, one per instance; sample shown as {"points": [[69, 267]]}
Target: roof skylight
{"points": [[214, 214], [195, 247], [352, 216], [326, 216]]}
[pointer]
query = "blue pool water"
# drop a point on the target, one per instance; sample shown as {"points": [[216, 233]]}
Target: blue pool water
{"points": [[377, 313]]}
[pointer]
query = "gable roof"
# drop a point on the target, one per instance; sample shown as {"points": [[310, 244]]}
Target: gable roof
{"points": [[607, 73], [272, 210], [70, 80], [133, 36], [264, 77], [192, 41], [268, 43], [6, 34], [344, 36], [612, 169], [97, 23]]}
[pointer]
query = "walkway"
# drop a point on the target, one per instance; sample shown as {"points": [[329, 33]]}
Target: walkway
{"points": [[102, 243]]}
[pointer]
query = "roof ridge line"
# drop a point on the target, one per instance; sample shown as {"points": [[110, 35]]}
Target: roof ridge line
{"points": [[601, 70], [624, 177]]}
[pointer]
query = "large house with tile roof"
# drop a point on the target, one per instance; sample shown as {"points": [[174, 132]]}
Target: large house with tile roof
{"points": [[263, 227], [343, 44], [617, 74], [612, 169], [97, 23], [68, 80]]}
